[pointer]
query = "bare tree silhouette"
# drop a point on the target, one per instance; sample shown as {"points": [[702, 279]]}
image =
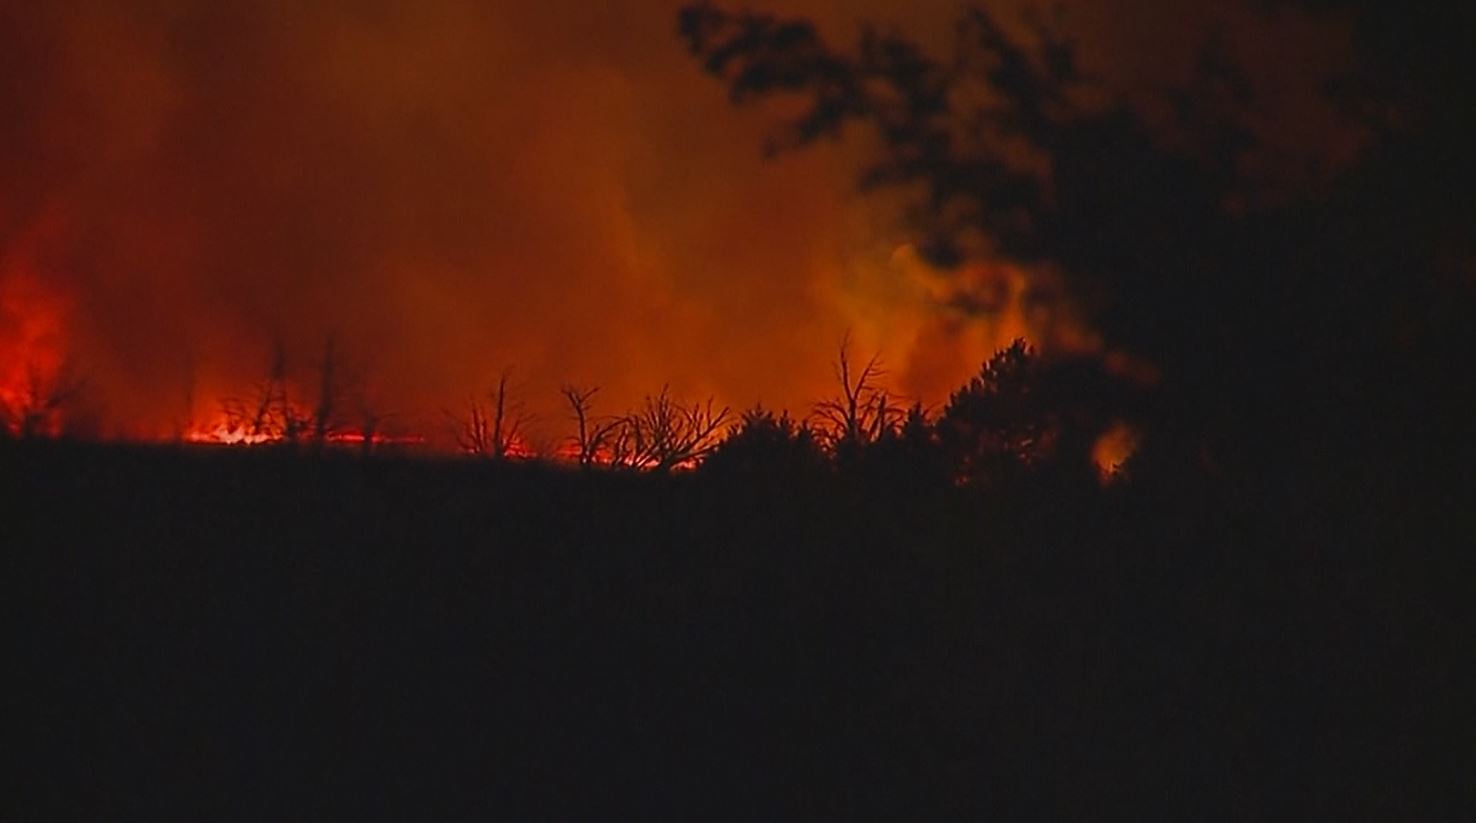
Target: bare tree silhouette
{"points": [[492, 431], [665, 433], [372, 421], [593, 435], [334, 386], [863, 412], [269, 415]]}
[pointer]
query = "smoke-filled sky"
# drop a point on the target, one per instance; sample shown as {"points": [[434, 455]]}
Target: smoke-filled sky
{"points": [[450, 188]]}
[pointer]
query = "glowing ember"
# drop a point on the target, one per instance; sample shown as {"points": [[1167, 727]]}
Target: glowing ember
{"points": [[1114, 448], [224, 433]]}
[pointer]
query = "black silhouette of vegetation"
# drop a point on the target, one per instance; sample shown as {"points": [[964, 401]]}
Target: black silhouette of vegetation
{"points": [[591, 439], [763, 443], [492, 431], [330, 412], [951, 618], [665, 433], [277, 413], [1270, 310], [862, 413], [269, 413]]}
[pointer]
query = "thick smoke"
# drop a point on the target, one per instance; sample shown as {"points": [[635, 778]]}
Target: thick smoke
{"points": [[448, 189]]}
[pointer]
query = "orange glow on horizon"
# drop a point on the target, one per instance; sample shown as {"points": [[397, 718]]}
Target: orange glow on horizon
{"points": [[223, 434]]}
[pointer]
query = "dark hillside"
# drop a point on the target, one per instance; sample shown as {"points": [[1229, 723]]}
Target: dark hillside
{"points": [[250, 635]]}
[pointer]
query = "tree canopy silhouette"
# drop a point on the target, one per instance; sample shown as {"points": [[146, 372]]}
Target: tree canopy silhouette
{"points": [[1270, 309]]}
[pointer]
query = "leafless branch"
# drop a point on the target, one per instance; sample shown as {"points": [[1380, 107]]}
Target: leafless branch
{"points": [[493, 430], [593, 437], [665, 433], [863, 412]]}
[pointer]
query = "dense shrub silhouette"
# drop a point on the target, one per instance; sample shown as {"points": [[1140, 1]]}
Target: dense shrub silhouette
{"points": [[765, 444], [1024, 415], [998, 425], [907, 455]]}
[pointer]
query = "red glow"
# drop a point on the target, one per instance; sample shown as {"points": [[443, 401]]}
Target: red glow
{"points": [[33, 352], [1113, 450], [223, 432]]}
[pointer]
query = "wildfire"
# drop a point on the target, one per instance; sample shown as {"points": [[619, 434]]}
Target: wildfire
{"points": [[1114, 448], [33, 378], [224, 432]]}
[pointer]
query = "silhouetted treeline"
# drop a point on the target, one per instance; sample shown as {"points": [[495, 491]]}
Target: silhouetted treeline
{"points": [[1021, 419], [1318, 323], [954, 620]]}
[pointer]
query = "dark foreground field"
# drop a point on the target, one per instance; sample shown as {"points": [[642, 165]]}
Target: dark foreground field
{"points": [[218, 635]]}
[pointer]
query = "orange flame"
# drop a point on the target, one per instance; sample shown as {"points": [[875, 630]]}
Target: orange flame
{"points": [[1113, 450], [32, 345], [224, 432]]}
